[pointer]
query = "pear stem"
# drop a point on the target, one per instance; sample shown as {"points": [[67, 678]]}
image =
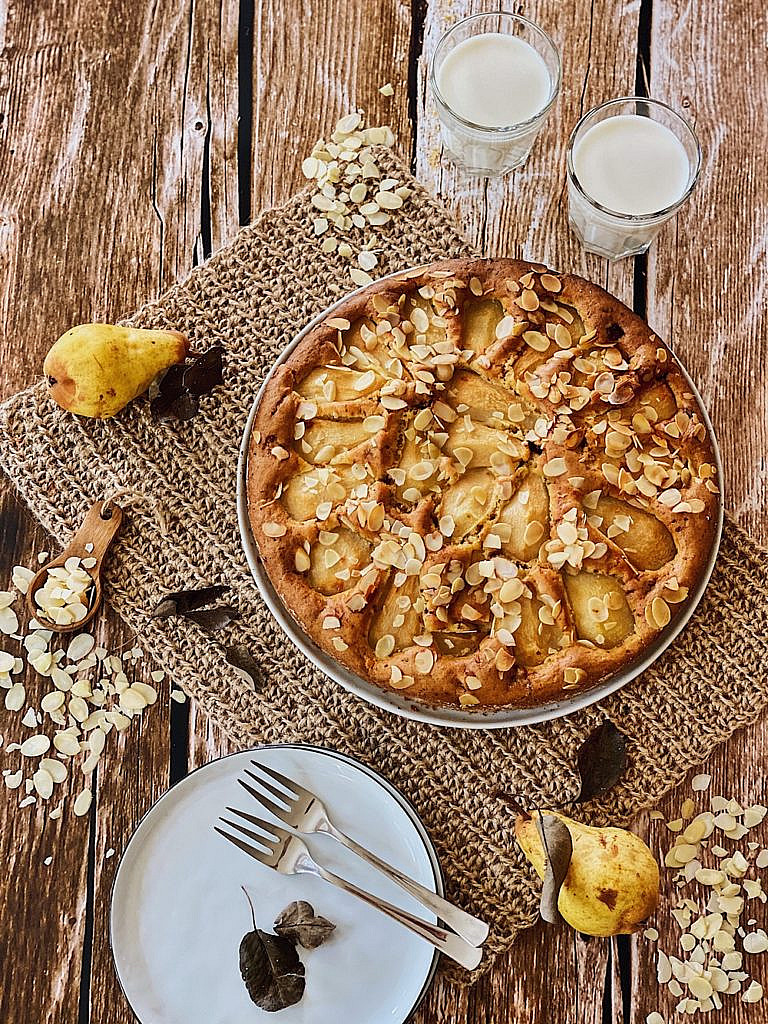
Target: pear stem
{"points": [[512, 802]]}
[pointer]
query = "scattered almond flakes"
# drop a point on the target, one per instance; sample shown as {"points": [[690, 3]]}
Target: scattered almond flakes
{"points": [[87, 686], [710, 966], [82, 803], [351, 197], [753, 994]]}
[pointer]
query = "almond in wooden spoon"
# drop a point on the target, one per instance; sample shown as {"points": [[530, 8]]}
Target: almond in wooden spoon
{"points": [[65, 594]]}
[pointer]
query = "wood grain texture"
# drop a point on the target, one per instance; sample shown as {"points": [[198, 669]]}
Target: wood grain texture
{"points": [[116, 123], [708, 284], [314, 63], [707, 281], [119, 169], [738, 770], [43, 907]]}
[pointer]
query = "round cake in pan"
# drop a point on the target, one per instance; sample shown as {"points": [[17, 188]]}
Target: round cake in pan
{"points": [[483, 483]]}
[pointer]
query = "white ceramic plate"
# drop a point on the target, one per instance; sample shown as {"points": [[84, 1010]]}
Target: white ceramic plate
{"points": [[178, 912], [399, 703]]}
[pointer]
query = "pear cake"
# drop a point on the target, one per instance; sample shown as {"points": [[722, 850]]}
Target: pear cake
{"points": [[482, 483]]}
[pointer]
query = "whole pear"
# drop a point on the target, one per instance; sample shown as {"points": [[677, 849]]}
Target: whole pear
{"points": [[612, 884], [95, 370]]}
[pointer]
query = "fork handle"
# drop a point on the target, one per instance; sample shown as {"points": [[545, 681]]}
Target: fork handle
{"points": [[468, 927], [452, 945]]}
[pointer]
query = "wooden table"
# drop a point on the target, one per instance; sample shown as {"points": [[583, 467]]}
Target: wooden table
{"points": [[137, 137]]}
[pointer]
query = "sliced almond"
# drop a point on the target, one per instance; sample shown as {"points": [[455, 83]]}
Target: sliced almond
{"points": [[385, 645]]}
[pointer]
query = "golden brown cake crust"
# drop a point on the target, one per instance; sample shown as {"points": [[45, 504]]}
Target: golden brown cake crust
{"points": [[482, 483]]}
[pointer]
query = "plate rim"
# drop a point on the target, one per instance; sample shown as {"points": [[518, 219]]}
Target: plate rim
{"points": [[506, 717], [387, 786]]}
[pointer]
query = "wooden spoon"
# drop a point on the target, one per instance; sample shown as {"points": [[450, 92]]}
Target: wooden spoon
{"points": [[97, 532]]}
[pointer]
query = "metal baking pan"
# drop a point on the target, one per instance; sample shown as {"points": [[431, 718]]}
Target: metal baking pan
{"points": [[398, 703]]}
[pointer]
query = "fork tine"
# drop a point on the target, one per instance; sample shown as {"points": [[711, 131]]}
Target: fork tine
{"points": [[266, 841], [278, 810], [287, 798], [258, 855], [267, 826], [282, 779], [271, 846]]}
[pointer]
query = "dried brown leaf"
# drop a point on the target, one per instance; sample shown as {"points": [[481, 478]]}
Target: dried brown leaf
{"points": [[240, 658], [601, 761], [299, 923], [271, 969], [558, 847], [183, 601]]}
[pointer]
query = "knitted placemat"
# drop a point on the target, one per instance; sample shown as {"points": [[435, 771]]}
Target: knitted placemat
{"points": [[181, 531]]}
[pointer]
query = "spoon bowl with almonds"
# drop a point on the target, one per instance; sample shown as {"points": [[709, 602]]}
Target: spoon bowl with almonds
{"points": [[65, 594]]}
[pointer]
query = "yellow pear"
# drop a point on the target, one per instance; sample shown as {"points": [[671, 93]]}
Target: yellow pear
{"points": [[97, 369], [612, 884]]}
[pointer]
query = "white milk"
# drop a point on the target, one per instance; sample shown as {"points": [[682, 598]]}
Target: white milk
{"points": [[631, 164], [496, 81], [634, 166]]}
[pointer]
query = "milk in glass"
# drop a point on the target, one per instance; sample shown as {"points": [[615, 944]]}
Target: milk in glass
{"points": [[627, 175], [493, 90]]}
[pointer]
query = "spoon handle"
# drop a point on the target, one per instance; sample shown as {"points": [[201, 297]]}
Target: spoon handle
{"points": [[98, 530]]}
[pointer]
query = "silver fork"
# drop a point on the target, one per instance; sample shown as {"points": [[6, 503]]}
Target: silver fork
{"points": [[305, 812], [289, 855]]}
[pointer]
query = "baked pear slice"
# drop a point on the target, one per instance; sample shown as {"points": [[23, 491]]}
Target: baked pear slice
{"points": [[599, 608], [645, 541]]}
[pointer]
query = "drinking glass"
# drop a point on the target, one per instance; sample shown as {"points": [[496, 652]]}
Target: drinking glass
{"points": [[480, 149], [610, 233]]}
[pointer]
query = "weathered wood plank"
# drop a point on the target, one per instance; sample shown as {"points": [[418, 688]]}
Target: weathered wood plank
{"points": [[748, 749], [314, 63], [43, 905], [707, 285], [134, 774], [103, 159], [211, 99]]}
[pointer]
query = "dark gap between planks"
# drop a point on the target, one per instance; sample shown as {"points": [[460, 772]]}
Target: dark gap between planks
{"points": [[418, 18], [642, 88], [608, 1017], [206, 226], [623, 945], [245, 107]]}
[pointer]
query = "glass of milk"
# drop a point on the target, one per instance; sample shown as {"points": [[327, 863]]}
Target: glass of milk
{"points": [[494, 78], [631, 164]]}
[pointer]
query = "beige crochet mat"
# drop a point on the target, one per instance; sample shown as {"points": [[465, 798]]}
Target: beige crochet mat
{"points": [[181, 531]]}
